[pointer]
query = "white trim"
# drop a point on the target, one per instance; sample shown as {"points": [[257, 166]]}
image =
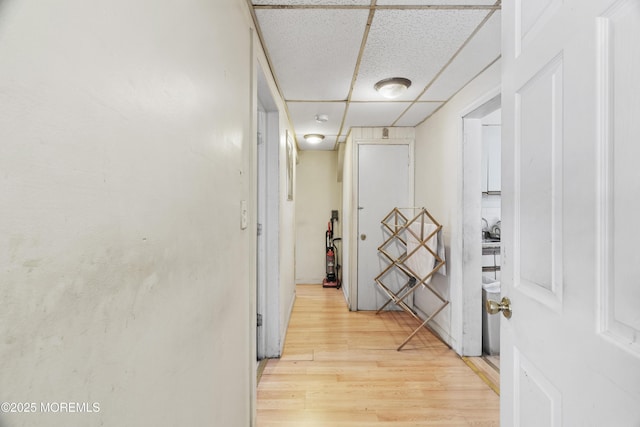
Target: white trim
{"points": [[465, 243], [251, 158], [285, 325]]}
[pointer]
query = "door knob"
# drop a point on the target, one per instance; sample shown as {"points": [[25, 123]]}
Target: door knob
{"points": [[504, 306], [363, 237]]}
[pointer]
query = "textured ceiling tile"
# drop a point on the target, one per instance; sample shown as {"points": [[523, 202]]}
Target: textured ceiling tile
{"points": [[313, 51], [476, 55], [414, 44], [436, 2], [373, 114], [417, 113], [312, 2], [303, 116]]}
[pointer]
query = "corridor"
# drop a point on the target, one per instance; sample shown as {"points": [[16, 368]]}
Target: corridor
{"points": [[341, 368]]}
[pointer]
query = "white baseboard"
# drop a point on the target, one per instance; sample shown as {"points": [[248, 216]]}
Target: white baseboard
{"points": [[285, 324]]}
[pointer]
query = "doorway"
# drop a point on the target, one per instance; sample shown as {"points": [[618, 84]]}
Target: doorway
{"points": [[267, 267], [384, 182], [491, 232], [480, 199]]}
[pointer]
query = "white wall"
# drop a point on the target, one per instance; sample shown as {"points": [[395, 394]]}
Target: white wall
{"points": [[317, 194], [438, 187], [287, 236], [125, 149]]}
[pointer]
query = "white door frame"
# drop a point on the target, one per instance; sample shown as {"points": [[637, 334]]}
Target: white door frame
{"points": [[470, 208], [261, 276], [374, 138], [268, 270]]}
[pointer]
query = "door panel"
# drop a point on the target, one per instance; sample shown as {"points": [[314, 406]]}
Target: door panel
{"points": [[383, 183], [570, 353], [538, 180], [543, 401]]}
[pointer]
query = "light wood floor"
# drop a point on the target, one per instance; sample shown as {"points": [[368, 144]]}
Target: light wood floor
{"points": [[341, 368]]}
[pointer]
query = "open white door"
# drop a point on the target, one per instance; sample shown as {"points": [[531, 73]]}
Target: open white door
{"points": [[570, 353]]}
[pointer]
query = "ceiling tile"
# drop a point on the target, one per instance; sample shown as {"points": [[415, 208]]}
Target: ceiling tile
{"points": [[436, 2], [373, 114], [415, 44], [303, 116], [328, 143], [476, 55], [417, 113], [313, 51], [313, 2]]}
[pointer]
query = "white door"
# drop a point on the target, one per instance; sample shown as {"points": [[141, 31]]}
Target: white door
{"points": [[570, 354], [383, 184]]}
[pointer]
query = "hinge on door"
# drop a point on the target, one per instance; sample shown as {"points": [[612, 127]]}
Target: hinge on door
{"points": [[259, 319], [259, 229]]}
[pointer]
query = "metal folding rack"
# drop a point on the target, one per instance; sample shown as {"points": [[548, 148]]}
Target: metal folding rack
{"points": [[418, 261]]}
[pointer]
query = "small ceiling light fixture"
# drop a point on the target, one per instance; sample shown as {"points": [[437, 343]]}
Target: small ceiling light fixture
{"points": [[313, 138], [321, 118], [393, 87]]}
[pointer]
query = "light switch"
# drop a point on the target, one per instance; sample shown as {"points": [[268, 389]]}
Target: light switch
{"points": [[244, 215]]}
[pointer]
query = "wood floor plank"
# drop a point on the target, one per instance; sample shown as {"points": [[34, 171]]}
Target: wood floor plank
{"points": [[342, 369]]}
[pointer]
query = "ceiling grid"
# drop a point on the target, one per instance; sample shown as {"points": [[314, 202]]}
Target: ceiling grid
{"points": [[326, 56]]}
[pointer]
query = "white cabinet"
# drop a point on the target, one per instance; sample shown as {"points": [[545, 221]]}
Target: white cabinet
{"points": [[491, 158]]}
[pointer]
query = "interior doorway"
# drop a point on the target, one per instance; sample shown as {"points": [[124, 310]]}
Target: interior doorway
{"points": [[384, 183], [267, 260], [491, 213], [481, 238]]}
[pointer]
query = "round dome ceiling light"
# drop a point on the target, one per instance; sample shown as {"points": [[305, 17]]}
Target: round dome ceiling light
{"points": [[393, 87], [314, 138]]}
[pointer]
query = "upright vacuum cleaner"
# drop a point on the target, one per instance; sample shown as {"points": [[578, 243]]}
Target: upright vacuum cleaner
{"points": [[332, 266]]}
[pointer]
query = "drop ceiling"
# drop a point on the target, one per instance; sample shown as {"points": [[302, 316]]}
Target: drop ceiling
{"points": [[327, 55]]}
